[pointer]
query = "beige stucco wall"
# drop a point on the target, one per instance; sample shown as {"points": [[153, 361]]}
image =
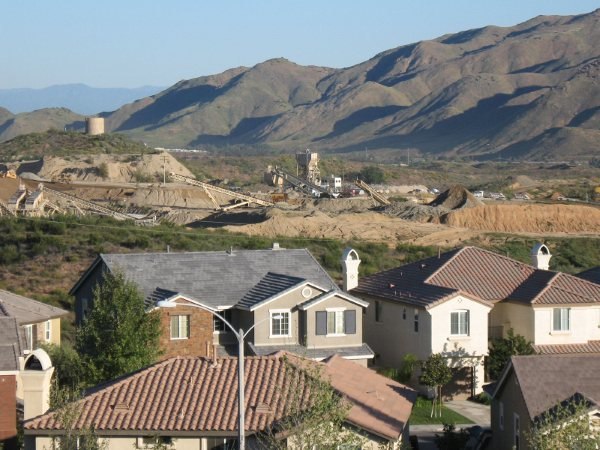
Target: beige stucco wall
{"points": [[347, 340], [393, 337], [476, 344], [512, 402], [120, 442], [585, 326], [519, 317]]}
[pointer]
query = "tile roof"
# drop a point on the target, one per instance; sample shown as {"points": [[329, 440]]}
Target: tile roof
{"points": [[592, 275], [379, 404], [11, 344], [362, 351], [26, 310], [561, 349], [270, 285], [478, 274], [214, 278], [197, 395], [546, 380]]}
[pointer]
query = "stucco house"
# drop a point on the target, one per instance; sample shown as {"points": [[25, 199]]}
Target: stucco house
{"points": [[39, 322], [530, 386], [454, 302], [195, 404], [283, 297]]}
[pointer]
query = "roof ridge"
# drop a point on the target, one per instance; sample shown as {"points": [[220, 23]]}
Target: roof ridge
{"points": [[439, 269]]}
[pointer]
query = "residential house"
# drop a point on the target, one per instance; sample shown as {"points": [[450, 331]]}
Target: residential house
{"points": [[195, 404], [283, 297], [446, 303], [531, 386], [39, 322]]}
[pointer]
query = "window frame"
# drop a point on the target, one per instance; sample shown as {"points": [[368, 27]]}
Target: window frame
{"points": [[466, 322], [226, 314], [179, 327], [336, 313], [29, 337], [274, 312], [48, 330], [561, 312], [416, 321], [516, 431], [378, 311]]}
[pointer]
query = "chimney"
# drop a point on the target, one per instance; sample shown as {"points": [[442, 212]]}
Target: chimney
{"points": [[350, 263], [36, 376], [540, 257]]}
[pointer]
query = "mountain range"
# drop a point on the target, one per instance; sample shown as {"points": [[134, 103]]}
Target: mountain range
{"points": [[531, 91], [79, 98]]}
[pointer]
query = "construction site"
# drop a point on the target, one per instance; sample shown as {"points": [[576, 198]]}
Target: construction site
{"points": [[303, 203]]}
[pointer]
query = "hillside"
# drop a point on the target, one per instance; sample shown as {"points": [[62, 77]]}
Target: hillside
{"points": [[530, 91]]}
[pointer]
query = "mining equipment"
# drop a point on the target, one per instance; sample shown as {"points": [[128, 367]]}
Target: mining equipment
{"points": [[237, 198], [379, 198]]}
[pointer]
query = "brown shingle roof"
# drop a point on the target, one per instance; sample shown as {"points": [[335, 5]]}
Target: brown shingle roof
{"points": [[196, 395], [478, 274], [547, 380]]}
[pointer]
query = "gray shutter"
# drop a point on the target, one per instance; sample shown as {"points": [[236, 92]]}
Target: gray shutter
{"points": [[350, 321], [321, 323]]}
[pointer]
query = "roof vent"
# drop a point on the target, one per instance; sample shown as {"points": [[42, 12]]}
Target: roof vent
{"points": [[275, 246], [262, 408], [120, 407]]}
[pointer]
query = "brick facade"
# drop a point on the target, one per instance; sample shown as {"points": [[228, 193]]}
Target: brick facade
{"points": [[200, 341], [8, 407]]}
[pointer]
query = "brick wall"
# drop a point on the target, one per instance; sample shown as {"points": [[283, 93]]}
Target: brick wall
{"points": [[8, 407], [200, 340]]}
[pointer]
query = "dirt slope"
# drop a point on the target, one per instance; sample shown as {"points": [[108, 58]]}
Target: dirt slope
{"points": [[534, 218]]}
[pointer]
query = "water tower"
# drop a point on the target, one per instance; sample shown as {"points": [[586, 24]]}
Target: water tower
{"points": [[94, 125]]}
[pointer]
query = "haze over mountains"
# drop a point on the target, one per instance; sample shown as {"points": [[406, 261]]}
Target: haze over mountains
{"points": [[531, 91], [79, 98]]}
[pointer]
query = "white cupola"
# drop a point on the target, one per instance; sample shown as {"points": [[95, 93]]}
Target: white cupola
{"points": [[350, 263], [540, 257]]}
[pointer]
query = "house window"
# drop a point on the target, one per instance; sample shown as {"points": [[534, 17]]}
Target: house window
{"points": [[562, 319], [180, 327], [416, 320], [378, 311], [219, 443], [517, 432], [335, 322], [29, 337], [280, 323], [218, 325], [154, 441], [459, 323], [48, 330], [501, 415], [404, 313]]}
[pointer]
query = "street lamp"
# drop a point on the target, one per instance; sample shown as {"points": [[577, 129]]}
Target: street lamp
{"points": [[240, 336]]}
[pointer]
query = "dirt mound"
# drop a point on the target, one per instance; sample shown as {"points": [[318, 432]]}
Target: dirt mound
{"points": [[414, 212], [106, 168], [528, 218], [455, 198]]}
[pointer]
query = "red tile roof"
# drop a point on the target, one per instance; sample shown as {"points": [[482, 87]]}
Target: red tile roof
{"points": [[477, 274], [197, 395]]}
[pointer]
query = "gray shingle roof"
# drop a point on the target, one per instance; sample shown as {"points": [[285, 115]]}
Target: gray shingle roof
{"points": [[10, 344], [215, 278], [592, 275], [359, 351], [26, 310], [547, 380], [270, 285]]}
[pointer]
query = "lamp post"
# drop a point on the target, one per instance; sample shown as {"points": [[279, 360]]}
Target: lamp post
{"points": [[240, 336]]}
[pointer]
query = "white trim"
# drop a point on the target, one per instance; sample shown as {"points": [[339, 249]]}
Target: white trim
{"points": [[283, 293], [336, 309], [333, 293], [280, 311]]}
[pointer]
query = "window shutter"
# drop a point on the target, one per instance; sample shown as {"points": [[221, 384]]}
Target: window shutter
{"points": [[321, 323], [350, 321]]}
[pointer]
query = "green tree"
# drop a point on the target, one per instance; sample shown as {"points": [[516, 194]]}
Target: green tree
{"points": [[564, 427], [118, 336], [372, 174], [69, 370], [502, 349], [435, 373]]}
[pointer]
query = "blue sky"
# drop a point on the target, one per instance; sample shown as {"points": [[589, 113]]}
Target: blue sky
{"points": [[129, 43]]}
